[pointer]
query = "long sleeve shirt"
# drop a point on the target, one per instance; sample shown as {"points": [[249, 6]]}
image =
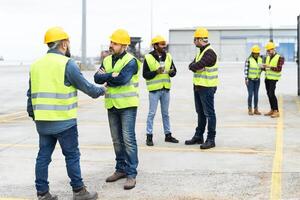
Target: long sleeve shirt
{"points": [[209, 59], [124, 76], [147, 74], [73, 77], [279, 64]]}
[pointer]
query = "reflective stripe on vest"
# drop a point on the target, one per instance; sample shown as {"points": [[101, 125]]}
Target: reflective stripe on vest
{"points": [[126, 95], [270, 74], [208, 77], [254, 69], [160, 80], [51, 99]]}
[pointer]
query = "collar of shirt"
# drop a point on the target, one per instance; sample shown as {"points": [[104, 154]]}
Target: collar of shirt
{"points": [[157, 57], [55, 51], [202, 48], [273, 55], [116, 57]]}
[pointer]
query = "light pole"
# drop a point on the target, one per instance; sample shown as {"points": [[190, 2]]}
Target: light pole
{"points": [[151, 20], [83, 36], [298, 52], [271, 28]]}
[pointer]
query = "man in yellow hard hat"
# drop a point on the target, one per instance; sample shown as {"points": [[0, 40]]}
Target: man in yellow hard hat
{"points": [[272, 67], [52, 103], [121, 73], [205, 82], [158, 67], [252, 71]]}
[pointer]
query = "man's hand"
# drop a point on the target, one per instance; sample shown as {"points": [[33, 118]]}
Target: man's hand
{"points": [[105, 86], [171, 71], [191, 67], [160, 70], [246, 82], [115, 74], [101, 71]]}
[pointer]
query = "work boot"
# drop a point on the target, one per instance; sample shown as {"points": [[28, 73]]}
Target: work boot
{"points": [[269, 113], [149, 141], [194, 140], [171, 139], [256, 112], [83, 194], [115, 176], [209, 143], [129, 184], [275, 114], [250, 112], [47, 196]]}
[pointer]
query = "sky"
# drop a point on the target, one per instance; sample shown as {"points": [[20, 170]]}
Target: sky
{"points": [[24, 22]]}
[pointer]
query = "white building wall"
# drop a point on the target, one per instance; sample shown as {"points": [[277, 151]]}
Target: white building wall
{"points": [[229, 44]]}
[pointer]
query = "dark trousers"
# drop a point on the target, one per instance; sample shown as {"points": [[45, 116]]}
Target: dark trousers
{"points": [[204, 103], [270, 87]]}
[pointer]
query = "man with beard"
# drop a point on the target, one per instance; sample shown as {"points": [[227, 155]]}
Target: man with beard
{"points": [[52, 103], [273, 68], [120, 72], [205, 82], [158, 67]]}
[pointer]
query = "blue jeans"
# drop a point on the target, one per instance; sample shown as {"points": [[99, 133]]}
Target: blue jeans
{"points": [[253, 87], [68, 141], [122, 128], [204, 103], [164, 97]]}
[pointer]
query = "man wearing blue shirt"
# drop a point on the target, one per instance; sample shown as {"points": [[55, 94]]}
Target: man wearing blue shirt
{"points": [[120, 72], [52, 104]]}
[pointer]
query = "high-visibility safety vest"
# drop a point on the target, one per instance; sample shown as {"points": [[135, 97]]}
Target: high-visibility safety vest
{"points": [[208, 77], [160, 80], [123, 96], [51, 99], [254, 69], [271, 75]]}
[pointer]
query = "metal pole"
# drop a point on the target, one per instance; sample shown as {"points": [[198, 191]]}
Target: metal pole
{"points": [[298, 53], [151, 19], [83, 39], [271, 27]]}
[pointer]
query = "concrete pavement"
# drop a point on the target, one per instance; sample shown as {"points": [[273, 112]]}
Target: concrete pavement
{"points": [[256, 157]]}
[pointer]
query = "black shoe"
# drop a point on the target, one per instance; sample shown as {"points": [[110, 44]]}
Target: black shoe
{"points": [[149, 141], [194, 140], [47, 196], [209, 143], [171, 139]]}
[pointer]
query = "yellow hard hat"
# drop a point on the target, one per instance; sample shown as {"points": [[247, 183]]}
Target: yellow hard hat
{"points": [[158, 39], [55, 34], [120, 36], [270, 45], [255, 49], [201, 33]]}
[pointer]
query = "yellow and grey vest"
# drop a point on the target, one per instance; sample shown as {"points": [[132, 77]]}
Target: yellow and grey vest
{"points": [[160, 80], [271, 75], [208, 77], [51, 99], [254, 70], [124, 96]]}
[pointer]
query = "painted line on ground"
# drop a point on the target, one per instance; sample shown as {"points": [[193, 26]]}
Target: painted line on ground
{"points": [[12, 198], [277, 160], [157, 149]]}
